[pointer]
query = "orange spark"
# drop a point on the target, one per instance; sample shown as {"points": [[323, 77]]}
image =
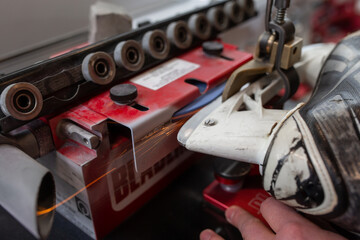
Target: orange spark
{"points": [[157, 136], [42, 212]]}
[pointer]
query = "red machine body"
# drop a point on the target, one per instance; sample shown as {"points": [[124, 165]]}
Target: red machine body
{"points": [[249, 197], [138, 153]]}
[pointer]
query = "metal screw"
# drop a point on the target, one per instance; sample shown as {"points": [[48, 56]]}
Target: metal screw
{"points": [[210, 122], [280, 16], [281, 6]]}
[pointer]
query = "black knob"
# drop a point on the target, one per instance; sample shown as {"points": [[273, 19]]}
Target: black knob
{"points": [[213, 48], [123, 93]]}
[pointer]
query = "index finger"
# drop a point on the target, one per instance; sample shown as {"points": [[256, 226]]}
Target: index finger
{"points": [[278, 214], [251, 228]]}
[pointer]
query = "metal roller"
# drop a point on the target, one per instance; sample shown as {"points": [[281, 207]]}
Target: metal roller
{"points": [[99, 68], [218, 18], [156, 44], [200, 26], [248, 6], [26, 188], [22, 101], [234, 11], [179, 34], [129, 55]]}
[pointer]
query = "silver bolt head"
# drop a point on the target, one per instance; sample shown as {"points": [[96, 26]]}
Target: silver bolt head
{"points": [[210, 122]]}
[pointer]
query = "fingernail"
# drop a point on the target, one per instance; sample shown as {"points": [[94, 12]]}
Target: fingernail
{"points": [[230, 212], [206, 234]]}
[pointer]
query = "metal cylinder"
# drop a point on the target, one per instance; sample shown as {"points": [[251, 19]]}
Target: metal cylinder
{"points": [[26, 188]]}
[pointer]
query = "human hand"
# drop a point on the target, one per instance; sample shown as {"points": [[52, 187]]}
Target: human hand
{"points": [[284, 221]]}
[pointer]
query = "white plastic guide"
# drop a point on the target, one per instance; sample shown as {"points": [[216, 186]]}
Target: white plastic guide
{"points": [[238, 129]]}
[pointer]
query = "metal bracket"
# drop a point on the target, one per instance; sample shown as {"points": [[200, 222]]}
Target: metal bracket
{"points": [[277, 50]]}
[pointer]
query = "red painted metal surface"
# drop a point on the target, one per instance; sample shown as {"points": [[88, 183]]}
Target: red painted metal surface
{"points": [[249, 197], [116, 196], [177, 94], [226, 181], [70, 49]]}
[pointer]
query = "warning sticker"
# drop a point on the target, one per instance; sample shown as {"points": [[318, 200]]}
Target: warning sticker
{"points": [[165, 73]]}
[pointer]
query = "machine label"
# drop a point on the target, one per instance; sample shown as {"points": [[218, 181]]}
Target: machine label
{"points": [[256, 202], [165, 73], [125, 185]]}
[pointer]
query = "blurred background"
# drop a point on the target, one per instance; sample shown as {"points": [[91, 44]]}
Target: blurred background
{"points": [[50, 27]]}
